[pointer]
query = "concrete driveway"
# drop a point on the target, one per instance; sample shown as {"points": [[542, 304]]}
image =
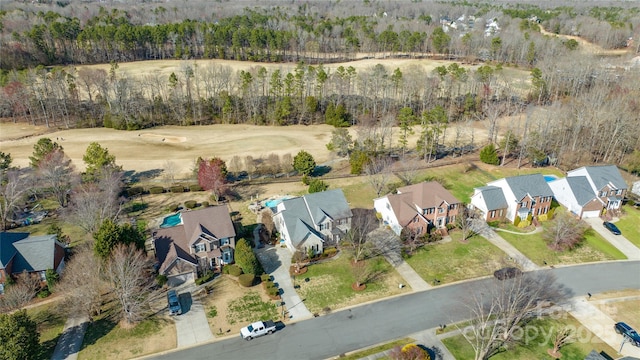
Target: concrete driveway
{"points": [[192, 326], [619, 241]]}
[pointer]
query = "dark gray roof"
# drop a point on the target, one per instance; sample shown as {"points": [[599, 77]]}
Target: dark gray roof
{"points": [[35, 253], [302, 214], [605, 174], [493, 197], [7, 250], [594, 355], [532, 184], [581, 189]]}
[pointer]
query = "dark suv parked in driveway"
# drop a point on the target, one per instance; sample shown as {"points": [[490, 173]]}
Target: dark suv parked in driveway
{"points": [[174, 303], [626, 330], [611, 227]]}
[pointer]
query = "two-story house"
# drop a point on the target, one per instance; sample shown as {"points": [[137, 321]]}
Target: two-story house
{"points": [[524, 195], [606, 183], [313, 221], [418, 207], [20, 252], [204, 240]]}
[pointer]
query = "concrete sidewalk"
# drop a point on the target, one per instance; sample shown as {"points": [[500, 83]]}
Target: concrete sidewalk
{"points": [[619, 241], [276, 261], [601, 325], [70, 342], [426, 338], [510, 250]]}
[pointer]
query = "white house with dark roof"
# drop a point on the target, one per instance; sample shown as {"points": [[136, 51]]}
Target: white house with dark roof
{"points": [[605, 182], [524, 195], [21, 252], [491, 202], [313, 221], [204, 240], [576, 195]]}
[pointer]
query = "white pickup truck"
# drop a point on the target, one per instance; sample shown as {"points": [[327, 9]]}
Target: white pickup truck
{"points": [[258, 329]]}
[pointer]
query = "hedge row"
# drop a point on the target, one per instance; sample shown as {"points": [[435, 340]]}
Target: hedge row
{"points": [[139, 190]]}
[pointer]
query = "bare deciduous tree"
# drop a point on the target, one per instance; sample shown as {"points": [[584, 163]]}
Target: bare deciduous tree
{"points": [[57, 174], [378, 174], [19, 294], [286, 163], [499, 311], [564, 232], [170, 171], [128, 271], [12, 190], [563, 337], [408, 172], [362, 223], [82, 283], [465, 221], [91, 204]]}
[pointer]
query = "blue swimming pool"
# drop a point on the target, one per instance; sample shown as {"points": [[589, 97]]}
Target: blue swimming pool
{"points": [[548, 178], [274, 202], [171, 220]]}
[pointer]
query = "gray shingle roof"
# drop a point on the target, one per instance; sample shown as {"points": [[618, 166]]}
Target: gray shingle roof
{"points": [[605, 174], [532, 184], [581, 189], [35, 253], [493, 197], [7, 250]]}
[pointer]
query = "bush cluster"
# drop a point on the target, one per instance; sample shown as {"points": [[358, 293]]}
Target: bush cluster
{"points": [[329, 252], [190, 204], [173, 207], [156, 190], [161, 279], [205, 204], [233, 270], [208, 276], [134, 191], [246, 280], [177, 189], [195, 187], [273, 291]]}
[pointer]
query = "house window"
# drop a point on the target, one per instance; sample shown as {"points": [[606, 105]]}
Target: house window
{"points": [[224, 241], [603, 193], [618, 192], [501, 212], [493, 214], [43, 275], [388, 206], [440, 210], [201, 247], [419, 231]]}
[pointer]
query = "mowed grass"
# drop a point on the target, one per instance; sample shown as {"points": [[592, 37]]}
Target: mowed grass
{"points": [[329, 284], [378, 349], [50, 322], [593, 248], [535, 341], [454, 260], [250, 308], [105, 339], [629, 224], [627, 311]]}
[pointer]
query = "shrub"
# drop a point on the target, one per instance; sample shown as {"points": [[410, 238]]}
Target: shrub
{"points": [[161, 280], [213, 312], [134, 191], [173, 207], [516, 222], [205, 204], [273, 291], [208, 276], [489, 155], [234, 270], [156, 190], [551, 212], [265, 277], [177, 189], [409, 351], [44, 293], [267, 284], [317, 185], [494, 223], [329, 252], [246, 280], [195, 187], [190, 204]]}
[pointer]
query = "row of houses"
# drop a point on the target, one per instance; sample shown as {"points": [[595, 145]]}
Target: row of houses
{"points": [[205, 239]]}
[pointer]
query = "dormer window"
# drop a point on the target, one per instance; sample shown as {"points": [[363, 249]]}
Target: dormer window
{"points": [[201, 247]]}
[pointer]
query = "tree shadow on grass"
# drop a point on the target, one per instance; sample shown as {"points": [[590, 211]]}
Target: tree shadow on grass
{"points": [[97, 330], [321, 170], [132, 176]]}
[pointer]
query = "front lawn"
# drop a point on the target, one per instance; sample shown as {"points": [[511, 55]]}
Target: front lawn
{"points": [[105, 339], [626, 310], [536, 340], [454, 260], [50, 322], [594, 248], [628, 224], [329, 284]]}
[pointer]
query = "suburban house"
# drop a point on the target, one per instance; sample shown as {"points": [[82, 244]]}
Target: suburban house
{"points": [[204, 240], [314, 221], [418, 207], [20, 252], [524, 195], [576, 195], [606, 183]]}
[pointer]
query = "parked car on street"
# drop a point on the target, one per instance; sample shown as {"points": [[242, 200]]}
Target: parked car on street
{"points": [[174, 303], [258, 328], [612, 227], [627, 331]]}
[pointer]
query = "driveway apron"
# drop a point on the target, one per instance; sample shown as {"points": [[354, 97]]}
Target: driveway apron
{"points": [[70, 341], [192, 326]]}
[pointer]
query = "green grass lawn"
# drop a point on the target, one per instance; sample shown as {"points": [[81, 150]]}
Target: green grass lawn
{"points": [[535, 341], [454, 260], [377, 349], [50, 322], [329, 284], [594, 248], [628, 224], [251, 308]]}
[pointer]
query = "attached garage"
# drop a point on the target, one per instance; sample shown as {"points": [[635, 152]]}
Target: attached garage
{"points": [[176, 280]]}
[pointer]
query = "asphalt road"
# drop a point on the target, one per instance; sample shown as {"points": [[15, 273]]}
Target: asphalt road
{"points": [[373, 323]]}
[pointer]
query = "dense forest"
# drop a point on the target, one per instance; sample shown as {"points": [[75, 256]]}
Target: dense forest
{"points": [[581, 105]]}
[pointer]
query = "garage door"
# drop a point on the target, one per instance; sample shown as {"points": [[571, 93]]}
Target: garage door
{"points": [[590, 214], [176, 280]]}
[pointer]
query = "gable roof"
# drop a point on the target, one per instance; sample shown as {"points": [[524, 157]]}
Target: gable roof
{"points": [[581, 189], [604, 175], [302, 214], [7, 250], [493, 197], [532, 184], [428, 194], [174, 242], [35, 253], [403, 207]]}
